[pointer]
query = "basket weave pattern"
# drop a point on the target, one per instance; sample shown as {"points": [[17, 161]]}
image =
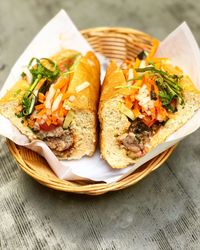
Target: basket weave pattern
{"points": [[114, 43]]}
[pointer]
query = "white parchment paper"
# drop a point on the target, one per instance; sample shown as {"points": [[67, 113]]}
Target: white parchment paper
{"points": [[180, 46]]}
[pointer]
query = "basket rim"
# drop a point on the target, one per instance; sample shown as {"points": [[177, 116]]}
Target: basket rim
{"points": [[114, 28], [96, 186]]}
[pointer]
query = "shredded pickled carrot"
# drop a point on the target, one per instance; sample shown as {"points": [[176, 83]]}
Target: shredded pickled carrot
{"points": [[31, 123], [41, 97], [38, 120], [39, 107], [133, 93], [56, 94], [128, 102], [54, 119], [39, 85], [132, 97], [60, 107], [64, 112], [153, 113], [147, 81], [66, 96], [54, 122], [171, 116], [48, 122], [71, 76], [42, 112], [136, 109], [155, 44], [25, 123], [150, 81], [125, 71], [135, 73], [64, 88], [61, 83], [137, 63]]}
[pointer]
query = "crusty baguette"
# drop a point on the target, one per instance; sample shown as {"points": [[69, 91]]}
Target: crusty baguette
{"points": [[84, 106], [114, 123], [84, 124]]}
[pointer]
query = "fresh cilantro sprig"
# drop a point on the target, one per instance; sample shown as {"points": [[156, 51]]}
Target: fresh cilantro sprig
{"points": [[168, 85], [38, 71]]}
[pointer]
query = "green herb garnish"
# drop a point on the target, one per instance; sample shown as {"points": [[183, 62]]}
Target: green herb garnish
{"points": [[76, 62], [170, 91], [126, 87], [71, 69], [131, 86], [38, 71], [28, 103], [23, 74], [67, 73], [135, 78]]}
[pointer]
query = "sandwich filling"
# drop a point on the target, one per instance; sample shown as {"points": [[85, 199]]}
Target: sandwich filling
{"points": [[45, 105], [154, 97]]}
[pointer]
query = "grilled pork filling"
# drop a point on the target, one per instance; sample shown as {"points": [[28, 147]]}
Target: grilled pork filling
{"points": [[58, 139], [137, 136]]}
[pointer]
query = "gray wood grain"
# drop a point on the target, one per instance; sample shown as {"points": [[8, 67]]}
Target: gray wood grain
{"points": [[160, 212]]}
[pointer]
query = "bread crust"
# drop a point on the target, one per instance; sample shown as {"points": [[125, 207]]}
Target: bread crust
{"points": [[88, 70], [113, 78]]}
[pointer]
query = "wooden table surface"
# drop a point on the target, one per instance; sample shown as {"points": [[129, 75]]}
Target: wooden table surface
{"points": [[160, 212]]}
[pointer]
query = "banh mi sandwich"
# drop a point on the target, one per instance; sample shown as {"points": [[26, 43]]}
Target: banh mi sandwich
{"points": [[56, 101], [142, 103]]}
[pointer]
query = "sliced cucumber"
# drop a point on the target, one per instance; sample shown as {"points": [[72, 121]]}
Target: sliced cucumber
{"points": [[68, 119], [126, 111]]}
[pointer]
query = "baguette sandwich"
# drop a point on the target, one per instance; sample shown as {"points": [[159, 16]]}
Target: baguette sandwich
{"points": [[142, 103], [56, 101]]}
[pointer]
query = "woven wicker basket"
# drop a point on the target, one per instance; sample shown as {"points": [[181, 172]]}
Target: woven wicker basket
{"points": [[114, 43]]}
